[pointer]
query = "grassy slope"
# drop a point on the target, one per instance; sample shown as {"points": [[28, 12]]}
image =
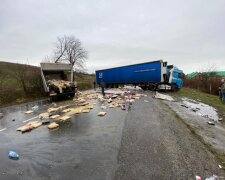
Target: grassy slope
{"points": [[209, 99], [15, 94]]}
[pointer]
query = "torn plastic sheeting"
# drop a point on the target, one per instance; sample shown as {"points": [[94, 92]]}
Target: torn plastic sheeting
{"points": [[163, 97]]}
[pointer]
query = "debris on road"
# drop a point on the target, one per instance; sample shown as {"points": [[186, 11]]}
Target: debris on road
{"points": [[200, 109], [86, 111], [36, 124], [29, 112], [101, 113], [53, 125], [50, 110], [84, 102], [1, 115], [44, 115], [198, 178], [13, 155], [211, 123], [64, 118], [103, 107], [123, 107], [24, 129], [163, 96], [35, 108], [44, 122], [214, 177], [183, 105], [133, 87], [66, 110], [29, 126], [54, 116]]}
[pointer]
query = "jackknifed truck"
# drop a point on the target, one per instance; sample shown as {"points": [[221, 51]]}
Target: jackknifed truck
{"points": [[58, 80], [153, 75]]}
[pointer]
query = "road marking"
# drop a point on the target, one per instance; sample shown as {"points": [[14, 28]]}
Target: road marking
{"points": [[3, 129], [30, 119]]}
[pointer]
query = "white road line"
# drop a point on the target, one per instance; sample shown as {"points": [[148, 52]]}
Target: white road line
{"points": [[3, 129], [30, 119]]}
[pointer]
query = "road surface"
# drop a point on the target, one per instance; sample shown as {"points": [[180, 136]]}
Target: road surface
{"points": [[148, 142]]}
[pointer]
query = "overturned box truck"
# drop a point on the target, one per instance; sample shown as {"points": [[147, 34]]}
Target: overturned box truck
{"points": [[58, 80], [154, 75]]}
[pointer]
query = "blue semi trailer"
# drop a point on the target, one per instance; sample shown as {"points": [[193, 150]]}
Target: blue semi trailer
{"points": [[154, 75]]}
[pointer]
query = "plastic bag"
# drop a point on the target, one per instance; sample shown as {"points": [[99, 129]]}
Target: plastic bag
{"points": [[13, 155]]}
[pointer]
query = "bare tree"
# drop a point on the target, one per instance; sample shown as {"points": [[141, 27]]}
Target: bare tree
{"points": [[69, 49]]}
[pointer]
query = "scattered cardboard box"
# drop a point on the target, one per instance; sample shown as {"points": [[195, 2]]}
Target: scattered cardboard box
{"points": [[101, 113]]}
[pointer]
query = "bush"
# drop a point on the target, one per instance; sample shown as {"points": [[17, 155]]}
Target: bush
{"points": [[205, 84]]}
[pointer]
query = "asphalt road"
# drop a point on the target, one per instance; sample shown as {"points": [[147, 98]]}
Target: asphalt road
{"points": [[148, 142]]}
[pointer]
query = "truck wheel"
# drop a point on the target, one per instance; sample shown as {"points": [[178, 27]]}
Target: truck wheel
{"points": [[174, 88]]}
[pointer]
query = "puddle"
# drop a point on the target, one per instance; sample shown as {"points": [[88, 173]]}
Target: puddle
{"points": [[200, 108]]}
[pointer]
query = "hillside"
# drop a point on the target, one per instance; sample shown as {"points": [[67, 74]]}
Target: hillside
{"points": [[21, 83]]}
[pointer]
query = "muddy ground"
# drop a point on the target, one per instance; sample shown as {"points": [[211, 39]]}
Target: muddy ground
{"points": [[213, 135], [148, 142]]}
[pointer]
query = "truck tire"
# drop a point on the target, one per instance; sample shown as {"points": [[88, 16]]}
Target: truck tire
{"points": [[174, 88]]}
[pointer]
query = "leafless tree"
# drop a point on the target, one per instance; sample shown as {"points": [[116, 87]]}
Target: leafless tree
{"points": [[69, 49], [49, 59]]}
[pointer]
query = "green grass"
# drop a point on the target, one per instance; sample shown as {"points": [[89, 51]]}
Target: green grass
{"points": [[209, 99]]}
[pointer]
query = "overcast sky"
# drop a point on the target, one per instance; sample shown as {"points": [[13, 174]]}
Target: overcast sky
{"points": [[187, 33]]}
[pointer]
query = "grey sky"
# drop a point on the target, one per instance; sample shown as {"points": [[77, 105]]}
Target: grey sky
{"points": [[189, 34]]}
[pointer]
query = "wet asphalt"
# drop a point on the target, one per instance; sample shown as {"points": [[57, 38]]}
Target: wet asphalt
{"points": [[148, 142]]}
